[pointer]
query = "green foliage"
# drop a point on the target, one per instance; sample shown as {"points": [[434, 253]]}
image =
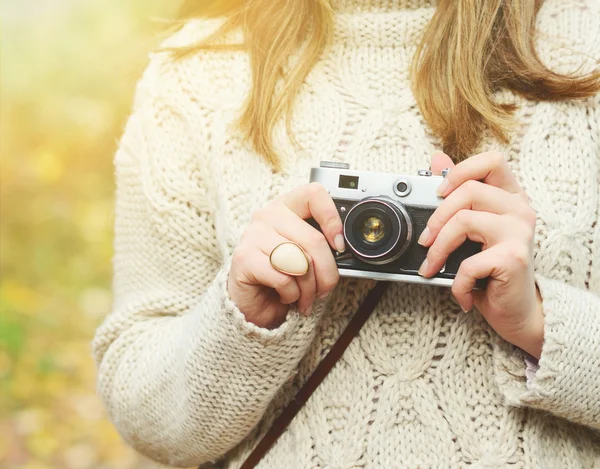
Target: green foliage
{"points": [[68, 75]]}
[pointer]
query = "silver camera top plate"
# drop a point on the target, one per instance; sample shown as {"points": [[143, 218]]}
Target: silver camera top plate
{"points": [[419, 190]]}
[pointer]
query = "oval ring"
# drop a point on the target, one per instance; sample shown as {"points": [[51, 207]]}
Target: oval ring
{"points": [[289, 258]]}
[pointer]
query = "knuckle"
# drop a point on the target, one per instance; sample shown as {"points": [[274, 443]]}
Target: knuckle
{"points": [[523, 226], [497, 159], [436, 220], [463, 217], [523, 197], [330, 281], [434, 223], [255, 216], [315, 239], [315, 189], [260, 214], [529, 233], [524, 211], [292, 298], [283, 282], [240, 255], [470, 186], [527, 229], [247, 233], [333, 221], [252, 230], [530, 216], [519, 254], [465, 270], [456, 288], [435, 252]]}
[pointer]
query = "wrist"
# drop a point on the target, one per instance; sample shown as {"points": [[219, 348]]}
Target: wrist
{"points": [[535, 335]]}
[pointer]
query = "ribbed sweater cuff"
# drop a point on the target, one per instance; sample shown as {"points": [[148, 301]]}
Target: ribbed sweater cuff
{"points": [[240, 325], [567, 382], [251, 348]]}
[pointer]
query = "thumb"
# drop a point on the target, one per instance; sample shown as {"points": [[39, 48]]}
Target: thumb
{"points": [[439, 161]]}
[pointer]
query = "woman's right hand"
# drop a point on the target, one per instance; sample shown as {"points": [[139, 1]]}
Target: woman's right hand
{"points": [[262, 293]]}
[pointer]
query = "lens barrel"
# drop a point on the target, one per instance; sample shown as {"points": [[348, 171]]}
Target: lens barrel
{"points": [[378, 230]]}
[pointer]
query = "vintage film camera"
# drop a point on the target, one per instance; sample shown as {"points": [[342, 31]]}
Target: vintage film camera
{"points": [[383, 216]]}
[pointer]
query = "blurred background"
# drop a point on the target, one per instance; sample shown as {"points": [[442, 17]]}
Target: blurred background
{"points": [[68, 70]]}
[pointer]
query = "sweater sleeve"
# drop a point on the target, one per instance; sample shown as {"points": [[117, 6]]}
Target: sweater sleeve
{"points": [[567, 382], [183, 376]]}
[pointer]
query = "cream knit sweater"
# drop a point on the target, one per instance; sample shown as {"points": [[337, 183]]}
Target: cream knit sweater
{"points": [[187, 380]]}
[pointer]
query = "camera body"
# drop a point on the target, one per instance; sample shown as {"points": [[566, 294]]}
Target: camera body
{"points": [[383, 215]]}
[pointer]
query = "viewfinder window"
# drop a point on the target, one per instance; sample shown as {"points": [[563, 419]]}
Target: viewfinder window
{"points": [[348, 182]]}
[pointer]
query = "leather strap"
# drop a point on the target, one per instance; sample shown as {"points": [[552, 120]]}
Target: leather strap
{"points": [[324, 367]]}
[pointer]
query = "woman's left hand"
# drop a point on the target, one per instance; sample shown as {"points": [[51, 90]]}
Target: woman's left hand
{"points": [[485, 203]]}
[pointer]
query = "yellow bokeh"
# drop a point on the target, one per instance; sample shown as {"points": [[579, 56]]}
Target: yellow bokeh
{"points": [[48, 166], [68, 71]]}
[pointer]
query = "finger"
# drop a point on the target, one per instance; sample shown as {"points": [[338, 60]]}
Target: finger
{"points": [[267, 238], [505, 262], [478, 266], [440, 161], [490, 167], [291, 227], [261, 272], [313, 200], [482, 227], [474, 195], [308, 288]]}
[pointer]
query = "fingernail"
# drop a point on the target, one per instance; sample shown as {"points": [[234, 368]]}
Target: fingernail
{"points": [[424, 236], [465, 310], [423, 268], [322, 296], [338, 241], [308, 310], [441, 190]]}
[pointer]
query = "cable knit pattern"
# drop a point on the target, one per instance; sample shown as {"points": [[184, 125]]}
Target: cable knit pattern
{"points": [[187, 380]]}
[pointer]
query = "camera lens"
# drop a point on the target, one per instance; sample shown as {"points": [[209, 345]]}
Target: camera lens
{"points": [[373, 229], [377, 230]]}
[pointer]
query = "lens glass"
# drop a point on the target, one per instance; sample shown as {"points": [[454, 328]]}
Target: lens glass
{"points": [[373, 229], [401, 187]]}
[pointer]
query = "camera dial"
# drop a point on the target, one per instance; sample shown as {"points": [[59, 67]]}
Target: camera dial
{"points": [[402, 187]]}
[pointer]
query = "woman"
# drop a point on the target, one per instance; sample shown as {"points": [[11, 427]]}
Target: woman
{"points": [[207, 341]]}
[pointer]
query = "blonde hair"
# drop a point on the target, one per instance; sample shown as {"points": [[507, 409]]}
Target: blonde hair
{"points": [[487, 45]]}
